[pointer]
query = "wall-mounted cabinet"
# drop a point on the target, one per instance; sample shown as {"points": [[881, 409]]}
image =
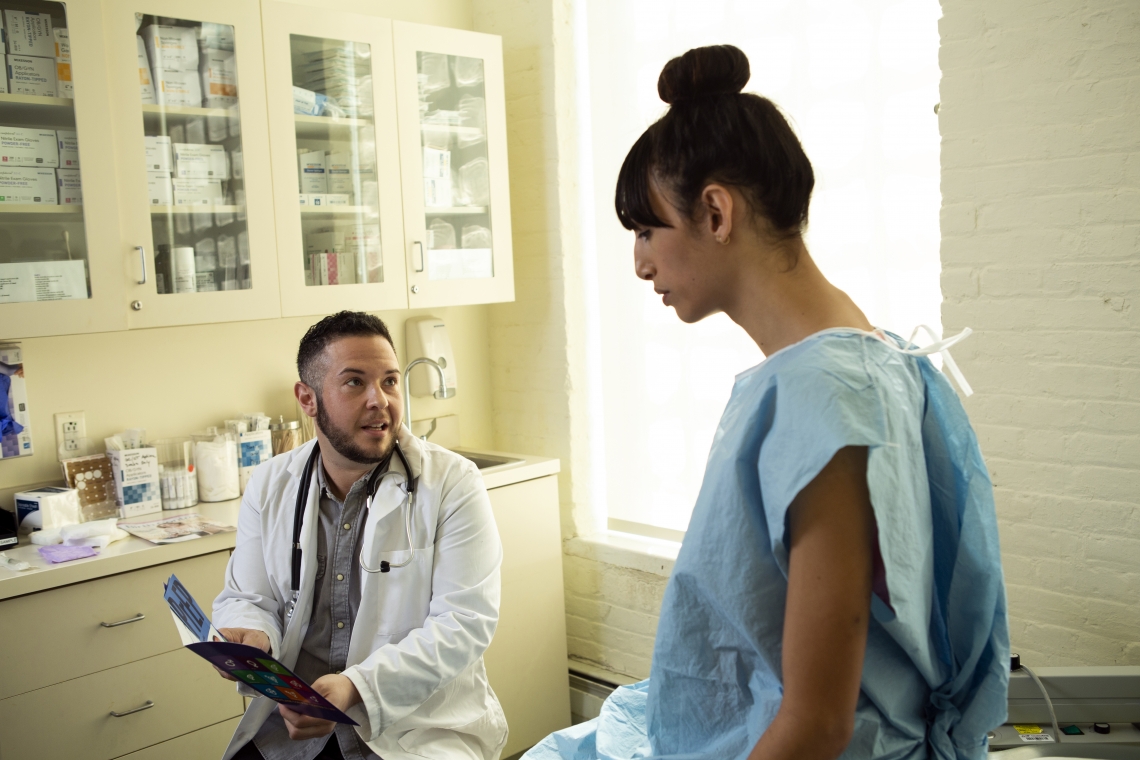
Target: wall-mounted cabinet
{"points": [[245, 160]]}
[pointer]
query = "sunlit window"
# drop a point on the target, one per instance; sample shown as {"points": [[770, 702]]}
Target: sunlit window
{"points": [[859, 82]]}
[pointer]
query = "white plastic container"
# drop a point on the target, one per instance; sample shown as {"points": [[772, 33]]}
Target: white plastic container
{"points": [[216, 460]]}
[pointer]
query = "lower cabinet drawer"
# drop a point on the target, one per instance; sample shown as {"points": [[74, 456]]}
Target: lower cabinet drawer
{"points": [[57, 635], [204, 744], [73, 719]]}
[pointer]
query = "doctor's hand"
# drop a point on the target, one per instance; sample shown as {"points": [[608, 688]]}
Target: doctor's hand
{"points": [[337, 689], [247, 636]]}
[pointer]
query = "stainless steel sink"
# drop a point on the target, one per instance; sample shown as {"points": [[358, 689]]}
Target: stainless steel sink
{"points": [[488, 461]]}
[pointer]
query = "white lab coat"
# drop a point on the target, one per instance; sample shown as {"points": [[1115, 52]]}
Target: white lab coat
{"points": [[416, 651]]}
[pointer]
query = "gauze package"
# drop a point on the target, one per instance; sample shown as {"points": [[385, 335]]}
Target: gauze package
{"points": [[218, 71], [174, 87], [171, 48], [137, 488], [47, 509], [146, 84]]}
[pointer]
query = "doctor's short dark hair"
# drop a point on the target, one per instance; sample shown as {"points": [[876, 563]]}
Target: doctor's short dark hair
{"points": [[343, 324], [714, 132]]}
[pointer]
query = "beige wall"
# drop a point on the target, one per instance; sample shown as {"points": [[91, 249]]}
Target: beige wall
{"points": [[1040, 244], [173, 381]]}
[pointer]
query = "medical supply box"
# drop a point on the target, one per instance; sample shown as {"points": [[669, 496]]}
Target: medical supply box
{"points": [[27, 186], [29, 75], [137, 486], [47, 508], [70, 188], [29, 34], [23, 147], [68, 143]]}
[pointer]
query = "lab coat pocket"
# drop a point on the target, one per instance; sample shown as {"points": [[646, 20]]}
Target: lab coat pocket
{"points": [[399, 600]]}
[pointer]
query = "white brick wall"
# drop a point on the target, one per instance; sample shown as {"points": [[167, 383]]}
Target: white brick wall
{"points": [[1041, 230]]}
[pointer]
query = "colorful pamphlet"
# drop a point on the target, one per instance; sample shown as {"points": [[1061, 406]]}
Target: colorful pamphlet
{"points": [[245, 663]]}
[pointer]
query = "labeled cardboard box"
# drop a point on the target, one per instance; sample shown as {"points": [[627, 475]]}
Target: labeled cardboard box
{"points": [[158, 154], [27, 186], [29, 34], [197, 192], [196, 161], [68, 143], [70, 187], [160, 189], [23, 147], [171, 48], [28, 75], [136, 481]]}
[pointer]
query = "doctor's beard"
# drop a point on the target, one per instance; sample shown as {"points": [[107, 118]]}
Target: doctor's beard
{"points": [[341, 440]]}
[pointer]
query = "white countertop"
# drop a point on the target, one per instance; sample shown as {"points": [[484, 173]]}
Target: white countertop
{"points": [[133, 553]]}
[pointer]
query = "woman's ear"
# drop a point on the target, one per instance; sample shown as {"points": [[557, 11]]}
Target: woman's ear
{"points": [[718, 205]]}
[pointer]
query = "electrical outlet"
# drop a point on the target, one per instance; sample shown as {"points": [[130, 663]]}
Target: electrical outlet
{"points": [[70, 434]]}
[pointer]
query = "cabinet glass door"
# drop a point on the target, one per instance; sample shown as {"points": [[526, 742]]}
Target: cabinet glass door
{"points": [[49, 278], [336, 176], [453, 137], [198, 180]]}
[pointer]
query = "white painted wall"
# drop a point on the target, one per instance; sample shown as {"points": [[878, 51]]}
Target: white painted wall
{"points": [[1040, 243]]}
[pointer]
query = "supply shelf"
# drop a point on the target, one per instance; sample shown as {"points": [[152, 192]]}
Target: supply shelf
{"points": [[317, 127], [454, 129], [454, 210], [32, 110], [331, 212], [150, 109], [163, 210], [38, 209]]}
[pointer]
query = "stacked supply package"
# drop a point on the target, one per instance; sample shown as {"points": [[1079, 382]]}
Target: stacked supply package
{"points": [[28, 160], [173, 55], [342, 74], [31, 54], [64, 87], [194, 156]]}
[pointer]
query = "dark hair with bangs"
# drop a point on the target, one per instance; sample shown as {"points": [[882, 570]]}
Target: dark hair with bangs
{"points": [[713, 132], [343, 324]]}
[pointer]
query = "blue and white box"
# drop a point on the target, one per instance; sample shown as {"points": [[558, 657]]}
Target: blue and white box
{"points": [[254, 448], [137, 486]]}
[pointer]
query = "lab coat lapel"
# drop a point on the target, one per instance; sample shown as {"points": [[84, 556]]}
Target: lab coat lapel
{"points": [[291, 641]]}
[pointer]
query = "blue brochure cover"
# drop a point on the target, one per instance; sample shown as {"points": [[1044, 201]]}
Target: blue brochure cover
{"points": [[249, 664]]}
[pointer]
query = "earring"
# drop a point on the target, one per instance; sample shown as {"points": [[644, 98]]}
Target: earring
{"points": [[727, 240]]}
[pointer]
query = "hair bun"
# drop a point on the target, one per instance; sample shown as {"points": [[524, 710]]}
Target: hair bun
{"points": [[704, 72]]}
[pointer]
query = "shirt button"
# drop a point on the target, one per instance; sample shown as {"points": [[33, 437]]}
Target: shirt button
{"points": [[347, 526], [339, 577], [340, 625], [336, 672]]}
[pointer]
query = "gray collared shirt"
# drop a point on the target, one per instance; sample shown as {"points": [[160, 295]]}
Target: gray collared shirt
{"points": [[336, 599]]}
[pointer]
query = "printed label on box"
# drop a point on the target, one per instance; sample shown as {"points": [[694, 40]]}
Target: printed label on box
{"points": [[31, 76], [29, 34], [27, 186], [195, 161], [28, 147], [68, 143]]}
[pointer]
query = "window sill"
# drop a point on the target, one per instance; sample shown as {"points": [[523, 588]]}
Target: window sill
{"points": [[649, 555]]}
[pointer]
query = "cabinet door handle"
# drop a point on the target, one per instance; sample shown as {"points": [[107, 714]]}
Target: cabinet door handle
{"points": [[142, 260], [420, 247], [135, 619], [145, 706]]}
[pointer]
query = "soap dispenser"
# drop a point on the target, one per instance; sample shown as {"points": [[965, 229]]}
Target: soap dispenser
{"points": [[427, 338]]}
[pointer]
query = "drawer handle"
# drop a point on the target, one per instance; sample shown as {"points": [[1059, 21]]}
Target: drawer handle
{"points": [[145, 706], [135, 619]]}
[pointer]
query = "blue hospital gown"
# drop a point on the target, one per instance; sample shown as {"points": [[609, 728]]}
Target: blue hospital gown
{"points": [[936, 667]]}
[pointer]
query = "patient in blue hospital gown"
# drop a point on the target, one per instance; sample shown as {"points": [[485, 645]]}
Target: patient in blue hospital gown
{"points": [[936, 664], [839, 590]]}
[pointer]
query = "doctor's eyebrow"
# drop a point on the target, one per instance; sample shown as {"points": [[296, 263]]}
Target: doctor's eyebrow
{"points": [[355, 371]]}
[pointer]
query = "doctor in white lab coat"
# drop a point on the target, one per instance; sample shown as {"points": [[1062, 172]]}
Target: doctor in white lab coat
{"points": [[414, 678]]}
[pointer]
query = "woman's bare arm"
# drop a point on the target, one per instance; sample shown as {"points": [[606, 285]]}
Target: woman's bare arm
{"points": [[832, 535]]}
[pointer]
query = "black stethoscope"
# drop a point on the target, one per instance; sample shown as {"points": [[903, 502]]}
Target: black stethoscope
{"points": [[373, 484]]}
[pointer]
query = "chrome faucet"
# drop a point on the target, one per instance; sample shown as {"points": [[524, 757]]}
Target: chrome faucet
{"points": [[443, 392]]}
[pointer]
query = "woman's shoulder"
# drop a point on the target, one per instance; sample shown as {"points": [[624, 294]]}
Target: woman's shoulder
{"points": [[840, 358]]}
